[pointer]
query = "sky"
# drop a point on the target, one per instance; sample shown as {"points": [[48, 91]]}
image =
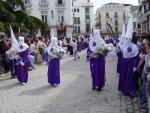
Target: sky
{"points": [[99, 3]]}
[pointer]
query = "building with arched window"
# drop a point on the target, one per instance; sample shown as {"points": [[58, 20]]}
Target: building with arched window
{"points": [[56, 13]]}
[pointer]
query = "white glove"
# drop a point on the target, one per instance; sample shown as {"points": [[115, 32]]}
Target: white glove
{"points": [[134, 69], [22, 64]]}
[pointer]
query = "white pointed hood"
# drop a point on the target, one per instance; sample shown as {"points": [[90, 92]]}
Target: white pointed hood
{"points": [[123, 31], [53, 45], [14, 42], [122, 37], [22, 45], [18, 46], [129, 31], [129, 49], [97, 40]]}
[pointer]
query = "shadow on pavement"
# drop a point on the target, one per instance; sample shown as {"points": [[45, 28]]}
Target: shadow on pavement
{"points": [[37, 91], [10, 86]]}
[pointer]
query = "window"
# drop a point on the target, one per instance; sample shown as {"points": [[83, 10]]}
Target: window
{"points": [[78, 10], [87, 10], [79, 29], [59, 20], [62, 18], [60, 2], [139, 26], [74, 9], [99, 16], [87, 18], [116, 22], [87, 27], [44, 18], [78, 20], [116, 29], [75, 29], [107, 15], [27, 1], [116, 15], [75, 20], [43, 1]]}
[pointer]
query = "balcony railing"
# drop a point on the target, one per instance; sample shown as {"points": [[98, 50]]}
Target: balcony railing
{"points": [[43, 4]]}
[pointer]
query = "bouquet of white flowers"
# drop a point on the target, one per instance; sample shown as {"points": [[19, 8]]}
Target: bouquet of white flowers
{"points": [[102, 51], [56, 54]]}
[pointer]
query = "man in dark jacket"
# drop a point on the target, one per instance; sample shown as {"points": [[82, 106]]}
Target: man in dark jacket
{"points": [[3, 49]]}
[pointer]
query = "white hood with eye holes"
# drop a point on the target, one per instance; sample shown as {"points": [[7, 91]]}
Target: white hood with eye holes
{"points": [[97, 39], [22, 45]]}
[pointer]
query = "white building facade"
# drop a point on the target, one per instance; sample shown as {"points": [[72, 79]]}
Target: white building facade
{"points": [[144, 18], [115, 12], [83, 16], [56, 13]]}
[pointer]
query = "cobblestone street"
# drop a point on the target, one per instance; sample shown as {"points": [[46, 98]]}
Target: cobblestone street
{"points": [[74, 95]]}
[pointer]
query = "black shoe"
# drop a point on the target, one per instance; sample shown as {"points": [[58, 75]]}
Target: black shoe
{"points": [[12, 77], [99, 89], [93, 88]]}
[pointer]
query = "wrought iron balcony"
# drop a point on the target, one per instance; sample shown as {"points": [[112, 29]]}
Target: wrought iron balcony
{"points": [[44, 4]]}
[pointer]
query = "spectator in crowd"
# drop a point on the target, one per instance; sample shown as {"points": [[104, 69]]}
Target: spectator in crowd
{"points": [[75, 51], [147, 70], [79, 44], [3, 49], [12, 60], [33, 51], [38, 55], [139, 71]]}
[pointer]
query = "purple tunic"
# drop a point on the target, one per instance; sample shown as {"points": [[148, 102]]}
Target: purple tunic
{"points": [[46, 57], [54, 72], [127, 78], [22, 71], [79, 46], [97, 66], [88, 54]]}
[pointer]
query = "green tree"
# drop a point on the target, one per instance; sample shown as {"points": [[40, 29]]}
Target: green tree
{"points": [[12, 12]]}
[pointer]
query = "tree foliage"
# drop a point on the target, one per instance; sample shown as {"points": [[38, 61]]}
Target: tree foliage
{"points": [[12, 12]]}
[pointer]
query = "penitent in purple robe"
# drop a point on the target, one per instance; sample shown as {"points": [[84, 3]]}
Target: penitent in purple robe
{"points": [[22, 71], [79, 46], [119, 65], [127, 78], [54, 72], [97, 66]]}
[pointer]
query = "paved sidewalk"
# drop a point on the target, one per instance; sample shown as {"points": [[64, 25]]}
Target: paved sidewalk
{"points": [[74, 95]]}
